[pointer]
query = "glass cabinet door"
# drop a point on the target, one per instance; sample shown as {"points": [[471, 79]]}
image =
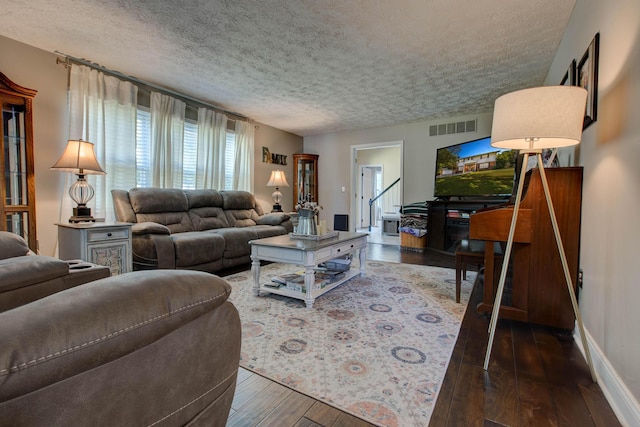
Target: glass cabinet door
{"points": [[16, 161], [305, 178]]}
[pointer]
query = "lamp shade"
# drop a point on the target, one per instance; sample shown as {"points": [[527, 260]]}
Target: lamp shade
{"points": [[277, 179], [79, 158], [537, 118]]}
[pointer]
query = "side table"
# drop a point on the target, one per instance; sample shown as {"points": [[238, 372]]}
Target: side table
{"points": [[102, 243]]}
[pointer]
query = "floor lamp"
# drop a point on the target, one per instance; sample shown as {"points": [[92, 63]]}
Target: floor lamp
{"points": [[531, 120]]}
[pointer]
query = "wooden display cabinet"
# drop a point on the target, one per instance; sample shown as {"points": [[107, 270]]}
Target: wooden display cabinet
{"points": [[305, 178], [17, 192]]}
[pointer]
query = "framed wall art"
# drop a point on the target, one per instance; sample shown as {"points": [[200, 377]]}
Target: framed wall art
{"points": [[269, 157], [587, 77], [569, 78], [556, 157]]}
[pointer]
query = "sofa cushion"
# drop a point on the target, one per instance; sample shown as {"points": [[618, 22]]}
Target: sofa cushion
{"points": [[12, 245], [176, 222], [206, 218], [30, 270], [204, 198], [238, 200], [236, 240], [274, 218], [241, 217], [263, 231], [197, 248], [154, 200], [165, 206]]}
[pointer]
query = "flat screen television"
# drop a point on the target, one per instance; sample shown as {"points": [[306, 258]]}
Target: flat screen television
{"points": [[474, 169]]}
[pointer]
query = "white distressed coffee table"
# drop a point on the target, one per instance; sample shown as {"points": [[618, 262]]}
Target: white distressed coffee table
{"points": [[308, 254]]}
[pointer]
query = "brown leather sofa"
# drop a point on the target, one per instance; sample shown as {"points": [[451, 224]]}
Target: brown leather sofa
{"points": [[145, 348], [25, 277], [205, 230]]}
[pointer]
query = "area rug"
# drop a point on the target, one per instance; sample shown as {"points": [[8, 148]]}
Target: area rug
{"points": [[377, 346]]}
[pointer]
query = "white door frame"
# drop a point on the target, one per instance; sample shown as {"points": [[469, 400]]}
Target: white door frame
{"points": [[354, 173], [362, 220]]}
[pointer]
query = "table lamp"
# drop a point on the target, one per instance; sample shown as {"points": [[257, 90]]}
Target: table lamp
{"points": [[531, 120], [277, 180], [79, 158]]}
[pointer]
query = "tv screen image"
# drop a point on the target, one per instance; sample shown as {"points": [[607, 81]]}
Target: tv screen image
{"points": [[474, 169]]}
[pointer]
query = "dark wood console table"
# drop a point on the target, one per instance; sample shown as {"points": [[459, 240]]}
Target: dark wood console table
{"points": [[449, 221]]}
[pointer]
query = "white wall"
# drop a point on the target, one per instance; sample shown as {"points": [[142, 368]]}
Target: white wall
{"points": [[278, 142], [610, 152], [37, 69], [419, 159]]}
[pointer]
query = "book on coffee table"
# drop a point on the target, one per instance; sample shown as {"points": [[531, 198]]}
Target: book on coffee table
{"points": [[295, 281]]}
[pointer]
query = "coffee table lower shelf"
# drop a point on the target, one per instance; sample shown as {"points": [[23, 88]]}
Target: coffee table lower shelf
{"points": [[315, 293]]}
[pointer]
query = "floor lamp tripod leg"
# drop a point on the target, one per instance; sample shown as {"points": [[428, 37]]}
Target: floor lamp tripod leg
{"points": [[505, 264], [565, 266]]}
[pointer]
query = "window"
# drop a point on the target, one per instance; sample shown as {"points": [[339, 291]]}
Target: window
{"points": [[229, 160], [189, 154], [143, 148]]}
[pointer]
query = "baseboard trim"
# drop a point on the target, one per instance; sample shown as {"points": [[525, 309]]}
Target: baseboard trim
{"points": [[622, 402]]}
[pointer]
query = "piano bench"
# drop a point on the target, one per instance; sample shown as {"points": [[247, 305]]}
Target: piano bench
{"points": [[470, 251]]}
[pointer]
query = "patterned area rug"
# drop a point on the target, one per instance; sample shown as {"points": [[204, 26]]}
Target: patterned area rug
{"points": [[377, 346]]}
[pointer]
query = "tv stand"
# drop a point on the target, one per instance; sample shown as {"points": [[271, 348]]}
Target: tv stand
{"points": [[448, 222]]}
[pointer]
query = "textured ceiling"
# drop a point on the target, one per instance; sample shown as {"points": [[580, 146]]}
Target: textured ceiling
{"points": [[310, 66]]}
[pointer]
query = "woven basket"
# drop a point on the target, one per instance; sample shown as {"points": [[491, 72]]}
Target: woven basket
{"points": [[411, 242]]}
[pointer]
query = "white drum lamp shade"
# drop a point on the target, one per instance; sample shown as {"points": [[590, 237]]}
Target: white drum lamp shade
{"points": [[539, 118]]}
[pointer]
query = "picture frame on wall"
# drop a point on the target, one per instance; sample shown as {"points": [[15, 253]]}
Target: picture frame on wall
{"points": [[569, 78], [587, 77], [552, 157]]}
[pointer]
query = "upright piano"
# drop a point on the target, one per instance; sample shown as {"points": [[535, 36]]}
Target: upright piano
{"points": [[538, 291]]}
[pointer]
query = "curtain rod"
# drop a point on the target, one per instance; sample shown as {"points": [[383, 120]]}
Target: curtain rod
{"points": [[68, 60]]}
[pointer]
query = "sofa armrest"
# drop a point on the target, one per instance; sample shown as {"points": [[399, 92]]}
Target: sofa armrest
{"points": [[12, 245], [150, 228], [94, 336], [158, 236], [29, 270], [274, 218]]}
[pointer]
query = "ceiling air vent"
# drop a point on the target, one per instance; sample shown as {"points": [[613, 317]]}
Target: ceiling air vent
{"points": [[454, 127]]}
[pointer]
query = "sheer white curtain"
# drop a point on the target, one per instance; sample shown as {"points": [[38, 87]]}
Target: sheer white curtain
{"points": [[243, 174], [212, 139], [167, 136], [102, 110]]}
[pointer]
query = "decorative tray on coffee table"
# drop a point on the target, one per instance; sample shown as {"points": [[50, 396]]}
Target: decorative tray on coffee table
{"points": [[327, 235]]}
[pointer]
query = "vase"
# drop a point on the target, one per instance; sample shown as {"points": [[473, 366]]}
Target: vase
{"points": [[307, 222]]}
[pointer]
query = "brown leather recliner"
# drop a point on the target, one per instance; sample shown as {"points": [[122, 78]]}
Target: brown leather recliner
{"points": [[143, 348]]}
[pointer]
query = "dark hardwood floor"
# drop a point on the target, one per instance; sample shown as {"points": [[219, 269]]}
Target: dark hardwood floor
{"points": [[537, 377]]}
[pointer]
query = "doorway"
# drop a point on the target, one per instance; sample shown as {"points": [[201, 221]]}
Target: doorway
{"points": [[375, 169]]}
